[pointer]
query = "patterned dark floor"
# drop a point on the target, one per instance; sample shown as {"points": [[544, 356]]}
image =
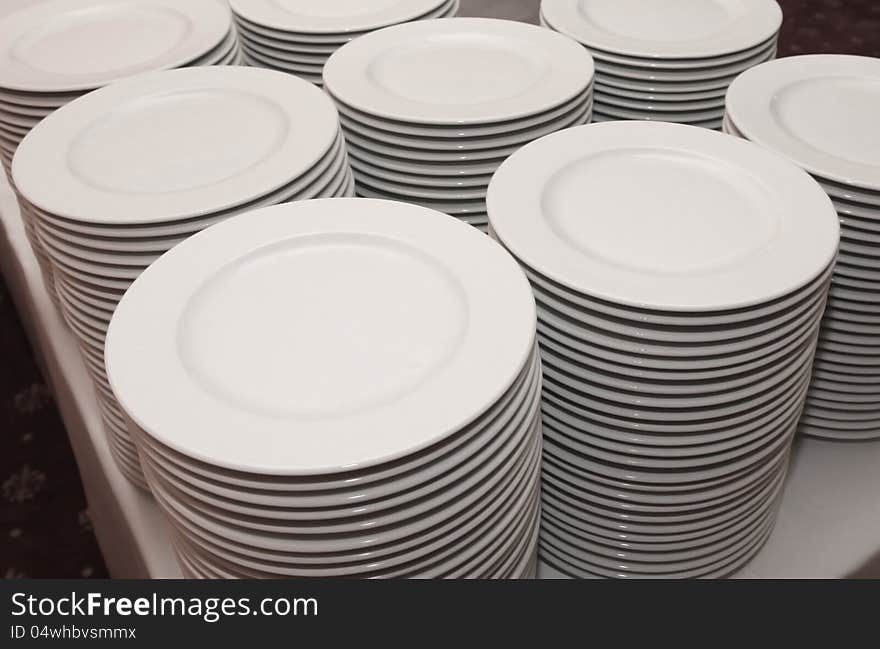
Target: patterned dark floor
{"points": [[43, 521], [44, 528]]}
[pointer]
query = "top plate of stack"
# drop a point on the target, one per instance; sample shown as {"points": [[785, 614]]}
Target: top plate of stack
{"points": [[667, 61], [821, 111], [298, 36], [337, 387], [677, 325], [431, 108]]}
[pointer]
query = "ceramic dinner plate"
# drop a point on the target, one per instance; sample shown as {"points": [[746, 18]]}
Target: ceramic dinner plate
{"points": [[793, 106], [317, 17], [662, 31], [142, 35], [292, 124], [736, 264], [454, 316], [480, 70], [773, 105]]}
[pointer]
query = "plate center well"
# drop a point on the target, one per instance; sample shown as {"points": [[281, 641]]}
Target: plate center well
{"points": [[457, 69], [666, 20], [178, 141], [658, 210], [78, 42], [835, 115], [322, 326]]}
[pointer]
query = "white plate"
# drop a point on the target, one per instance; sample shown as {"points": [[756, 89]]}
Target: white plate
{"points": [[511, 479], [818, 411], [623, 540], [654, 105], [681, 260], [750, 480], [463, 309], [866, 199], [458, 71], [359, 485], [422, 180], [725, 560], [113, 266], [141, 251], [581, 506], [294, 518], [707, 418], [848, 435], [559, 447], [280, 51], [305, 69], [337, 17], [591, 384], [581, 336], [584, 337], [681, 63], [621, 530], [819, 110], [577, 115], [607, 79], [609, 438], [660, 96], [313, 183], [683, 75], [78, 45], [647, 430], [464, 131], [642, 330], [448, 168], [443, 550], [507, 534], [666, 30], [474, 207], [720, 320], [683, 117], [599, 548], [180, 115], [677, 369], [358, 142], [311, 43], [417, 191]]}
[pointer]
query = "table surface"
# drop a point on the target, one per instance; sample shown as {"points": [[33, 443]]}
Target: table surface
{"points": [[828, 525]]}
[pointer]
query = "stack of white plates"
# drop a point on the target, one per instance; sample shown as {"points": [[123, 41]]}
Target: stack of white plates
{"points": [[337, 387], [299, 37], [680, 277], [667, 61], [822, 112], [430, 109], [116, 178], [53, 52]]}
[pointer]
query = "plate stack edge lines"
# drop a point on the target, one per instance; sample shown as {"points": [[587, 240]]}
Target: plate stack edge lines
{"points": [[820, 112], [344, 387], [41, 69], [114, 179], [298, 39], [431, 108], [662, 62], [677, 327]]}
